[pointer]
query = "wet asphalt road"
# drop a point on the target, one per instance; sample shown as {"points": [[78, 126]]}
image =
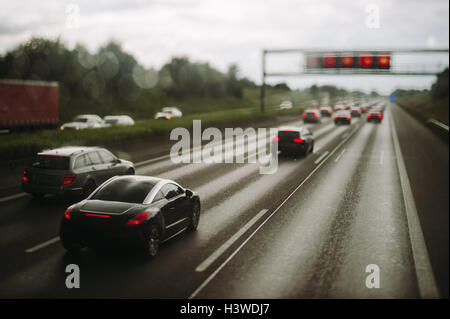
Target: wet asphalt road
{"points": [[307, 231]]}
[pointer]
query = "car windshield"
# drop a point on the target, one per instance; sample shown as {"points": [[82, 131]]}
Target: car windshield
{"points": [[50, 162], [127, 190], [80, 119]]}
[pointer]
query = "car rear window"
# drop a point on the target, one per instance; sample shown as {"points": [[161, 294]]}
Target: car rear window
{"points": [[50, 162], [287, 134], [127, 190]]}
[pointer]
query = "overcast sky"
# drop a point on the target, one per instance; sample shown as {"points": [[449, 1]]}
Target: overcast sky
{"points": [[236, 31]]}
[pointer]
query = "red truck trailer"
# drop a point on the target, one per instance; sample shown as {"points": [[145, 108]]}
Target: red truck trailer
{"points": [[28, 104]]}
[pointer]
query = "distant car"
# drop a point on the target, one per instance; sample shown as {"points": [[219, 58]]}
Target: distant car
{"points": [[312, 116], [118, 120], [84, 121], [168, 113], [136, 212], [355, 111], [342, 117], [339, 107], [72, 170], [378, 108], [326, 111], [375, 116], [286, 105], [294, 140]]}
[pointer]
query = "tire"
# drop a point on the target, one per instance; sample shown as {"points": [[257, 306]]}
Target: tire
{"points": [[152, 239], [130, 171], [312, 148], [194, 217], [89, 188], [38, 196], [72, 247]]}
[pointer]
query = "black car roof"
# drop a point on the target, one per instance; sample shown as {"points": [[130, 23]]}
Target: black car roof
{"points": [[290, 128]]}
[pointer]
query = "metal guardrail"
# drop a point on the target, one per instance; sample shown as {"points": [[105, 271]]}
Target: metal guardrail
{"points": [[438, 124]]}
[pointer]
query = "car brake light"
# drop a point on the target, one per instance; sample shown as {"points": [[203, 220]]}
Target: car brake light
{"points": [[138, 219], [67, 213], [298, 140], [68, 178], [97, 215], [276, 139], [347, 118], [380, 117], [315, 115], [304, 114], [25, 177], [369, 116], [335, 118]]}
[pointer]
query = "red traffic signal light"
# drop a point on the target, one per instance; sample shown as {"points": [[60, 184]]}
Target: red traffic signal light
{"points": [[384, 61], [329, 61], [347, 61], [366, 60]]}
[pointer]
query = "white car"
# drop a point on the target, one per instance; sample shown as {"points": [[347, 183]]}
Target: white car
{"points": [[286, 105], [84, 121], [168, 113], [118, 120]]}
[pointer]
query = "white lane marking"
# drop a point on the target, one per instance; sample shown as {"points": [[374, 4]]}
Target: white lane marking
{"points": [[149, 161], [382, 158], [216, 254], [44, 244], [321, 157], [340, 155], [214, 274], [5, 199], [424, 272]]}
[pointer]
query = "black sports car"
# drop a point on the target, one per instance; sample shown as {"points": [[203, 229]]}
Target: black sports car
{"points": [[294, 140], [130, 211]]}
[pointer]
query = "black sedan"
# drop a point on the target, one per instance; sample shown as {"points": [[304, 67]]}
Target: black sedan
{"points": [[375, 116], [130, 211], [294, 140], [342, 117]]}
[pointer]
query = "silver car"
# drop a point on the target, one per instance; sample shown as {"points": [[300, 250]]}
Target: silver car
{"points": [[72, 170]]}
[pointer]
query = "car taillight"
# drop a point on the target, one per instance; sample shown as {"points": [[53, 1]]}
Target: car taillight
{"points": [[304, 114], [298, 140], [25, 177], [369, 116], [380, 117], [97, 215], [335, 118], [347, 118], [68, 178], [67, 213], [276, 139], [138, 219], [315, 115]]}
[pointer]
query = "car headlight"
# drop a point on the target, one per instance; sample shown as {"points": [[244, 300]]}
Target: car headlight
{"points": [[61, 127], [77, 128]]}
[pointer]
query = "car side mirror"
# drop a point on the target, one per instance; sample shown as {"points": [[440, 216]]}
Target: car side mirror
{"points": [[189, 193], [117, 161]]}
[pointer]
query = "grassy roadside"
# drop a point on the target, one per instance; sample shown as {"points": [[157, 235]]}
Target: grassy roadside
{"points": [[24, 145], [423, 107]]}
